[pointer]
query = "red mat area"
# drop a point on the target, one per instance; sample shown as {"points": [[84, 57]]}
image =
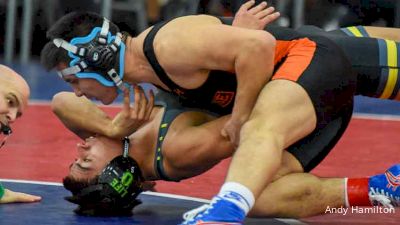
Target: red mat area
{"points": [[42, 149]]}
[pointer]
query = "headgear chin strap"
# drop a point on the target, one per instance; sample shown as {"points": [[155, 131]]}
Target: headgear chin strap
{"points": [[116, 190], [98, 55]]}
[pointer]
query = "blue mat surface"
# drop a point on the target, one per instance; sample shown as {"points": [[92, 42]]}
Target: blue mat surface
{"points": [[54, 210]]}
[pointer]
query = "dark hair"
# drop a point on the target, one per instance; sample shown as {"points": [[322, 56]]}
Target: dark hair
{"points": [[75, 24], [76, 185], [94, 204]]}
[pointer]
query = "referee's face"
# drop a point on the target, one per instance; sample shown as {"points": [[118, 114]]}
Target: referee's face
{"points": [[14, 94]]}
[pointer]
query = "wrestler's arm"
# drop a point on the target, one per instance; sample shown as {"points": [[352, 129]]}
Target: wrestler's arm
{"points": [[198, 142], [248, 53], [86, 119], [80, 115]]}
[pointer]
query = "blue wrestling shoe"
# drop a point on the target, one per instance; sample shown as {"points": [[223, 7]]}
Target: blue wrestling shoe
{"points": [[219, 212], [384, 188]]}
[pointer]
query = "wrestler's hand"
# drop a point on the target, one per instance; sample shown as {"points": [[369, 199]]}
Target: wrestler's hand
{"points": [[256, 17], [12, 196], [131, 118], [231, 130]]}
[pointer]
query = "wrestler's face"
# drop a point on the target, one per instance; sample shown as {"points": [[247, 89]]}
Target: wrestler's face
{"points": [[92, 157], [90, 88], [14, 95]]}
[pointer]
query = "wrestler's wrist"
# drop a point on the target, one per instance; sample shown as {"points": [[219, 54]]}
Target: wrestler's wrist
{"points": [[109, 132], [116, 133], [113, 133], [239, 118]]}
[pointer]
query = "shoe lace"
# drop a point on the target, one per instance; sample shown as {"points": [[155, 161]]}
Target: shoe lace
{"points": [[198, 212], [383, 198], [190, 215]]}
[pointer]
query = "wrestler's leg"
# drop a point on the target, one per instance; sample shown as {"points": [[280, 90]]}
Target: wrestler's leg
{"points": [[79, 114], [276, 121], [389, 33], [299, 195], [262, 136], [376, 61], [384, 33], [296, 194]]}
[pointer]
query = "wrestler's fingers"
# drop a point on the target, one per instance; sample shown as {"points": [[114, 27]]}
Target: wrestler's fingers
{"points": [[137, 102], [265, 12], [270, 18], [258, 8], [127, 100], [143, 104], [150, 104], [246, 6]]}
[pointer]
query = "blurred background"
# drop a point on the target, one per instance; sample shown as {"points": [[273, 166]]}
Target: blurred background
{"points": [[24, 24]]}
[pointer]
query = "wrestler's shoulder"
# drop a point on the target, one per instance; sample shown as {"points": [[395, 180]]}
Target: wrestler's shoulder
{"points": [[200, 19]]}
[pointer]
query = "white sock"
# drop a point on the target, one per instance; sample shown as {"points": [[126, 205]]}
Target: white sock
{"points": [[346, 196], [237, 194]]}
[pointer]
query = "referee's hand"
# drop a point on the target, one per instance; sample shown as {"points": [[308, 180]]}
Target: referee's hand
{"points": [[12, 196]]}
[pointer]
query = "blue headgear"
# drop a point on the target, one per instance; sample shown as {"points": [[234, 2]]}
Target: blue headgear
{"points": [[98, 55]]}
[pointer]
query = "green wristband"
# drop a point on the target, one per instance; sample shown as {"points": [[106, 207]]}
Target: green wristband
{"points": [[1, 191]]}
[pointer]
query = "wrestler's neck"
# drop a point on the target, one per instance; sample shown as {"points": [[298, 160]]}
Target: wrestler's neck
{"points": [[137, 69], [144, 142]]}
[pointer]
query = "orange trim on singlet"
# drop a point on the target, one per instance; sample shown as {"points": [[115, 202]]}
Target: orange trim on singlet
{"points": [[297, 56]]}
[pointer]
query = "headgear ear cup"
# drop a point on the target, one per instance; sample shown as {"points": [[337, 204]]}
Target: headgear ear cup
{"points": [[101, 57]]}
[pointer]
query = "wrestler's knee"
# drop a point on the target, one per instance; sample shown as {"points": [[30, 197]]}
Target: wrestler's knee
{"points": [[257, 132], [261, 124], [255, 126]]}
